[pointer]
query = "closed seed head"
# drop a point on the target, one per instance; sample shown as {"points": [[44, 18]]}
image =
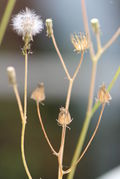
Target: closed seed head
{"points": [[39, 93], [64, 117]]}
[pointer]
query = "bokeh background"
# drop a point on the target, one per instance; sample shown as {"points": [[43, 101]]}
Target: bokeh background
{"points": [[44, 66]]}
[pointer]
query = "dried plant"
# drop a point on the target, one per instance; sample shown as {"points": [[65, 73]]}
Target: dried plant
{"points": [[27, 24]]}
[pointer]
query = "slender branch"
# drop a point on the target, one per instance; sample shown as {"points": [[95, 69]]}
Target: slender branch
{"points": [[60, 56], [18, 101], [25, 86], [5, 18], [78, 67], [86, 125], [23, 152], [98, 41], [85, 20], [109, 43], [90, 141], [43, 129], [92, 84]]}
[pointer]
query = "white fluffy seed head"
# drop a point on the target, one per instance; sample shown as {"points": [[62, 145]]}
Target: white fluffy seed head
{"points": [[27, 22]]}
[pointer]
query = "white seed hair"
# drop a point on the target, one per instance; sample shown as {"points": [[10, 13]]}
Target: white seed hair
{"points": [[27, 22]]}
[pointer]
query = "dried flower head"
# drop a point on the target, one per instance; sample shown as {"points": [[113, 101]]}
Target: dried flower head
{"points": [[64, 117], [27, 22], [80, 42], [103, 95], [39, 93], [11, 75]]}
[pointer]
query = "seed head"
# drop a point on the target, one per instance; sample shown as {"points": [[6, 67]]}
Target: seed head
{"points": [[27, 22], [11, 75], [103, 95], [64, 117], [39, 93], [80, 42]]}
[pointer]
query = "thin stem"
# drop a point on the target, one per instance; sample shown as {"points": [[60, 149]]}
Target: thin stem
{"points": [[78, 67], [92, 84], [90, 141], [18, 101], [25, 86], [43, 129], [24, 123], [109, 43], [61, 151], [86, 126], [5, 18], [23, 152], [98, 41], [85, 20], [60, 56]]}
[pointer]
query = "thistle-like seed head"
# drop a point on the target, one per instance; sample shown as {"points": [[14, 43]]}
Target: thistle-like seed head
{"points": [[39, 93], [49, 26], [11, 75], [26, 22], [103, 95], [64, 117], [95, 25], [80, 42]]}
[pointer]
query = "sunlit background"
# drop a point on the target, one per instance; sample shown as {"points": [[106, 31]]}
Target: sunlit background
{"points": [[45, 66]]}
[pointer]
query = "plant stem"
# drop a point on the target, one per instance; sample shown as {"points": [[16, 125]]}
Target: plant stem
{"points": [[23, 152], [18, 101], [25, 117], [5, 18], [25, 86], [90, 141], [60, 56], [44, 132]]}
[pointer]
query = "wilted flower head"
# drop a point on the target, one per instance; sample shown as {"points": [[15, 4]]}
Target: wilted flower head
{"points": [[80, 42], [26, 22], [103, 95], [64, 117]]}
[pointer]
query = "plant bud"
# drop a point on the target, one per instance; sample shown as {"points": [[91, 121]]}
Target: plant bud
{"points": [[39, 93], [11, 75], [64, 117], [49, 25], [95, 25]]}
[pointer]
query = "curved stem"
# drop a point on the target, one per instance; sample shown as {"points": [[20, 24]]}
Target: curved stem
{"points": [[23, 152], [60, 56], [43, 129], [90, 141], [5, 18], [109, 43]]}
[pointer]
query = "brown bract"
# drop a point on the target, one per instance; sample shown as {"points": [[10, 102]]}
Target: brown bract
{"points": [[103, 95]]}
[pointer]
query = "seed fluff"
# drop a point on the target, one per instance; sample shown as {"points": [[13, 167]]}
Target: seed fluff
{"points": [[26, 22]]}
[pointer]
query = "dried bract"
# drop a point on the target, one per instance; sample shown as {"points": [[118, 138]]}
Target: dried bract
{"points": [[80, 42], [103, 95], [64, 117], [39, 93]]}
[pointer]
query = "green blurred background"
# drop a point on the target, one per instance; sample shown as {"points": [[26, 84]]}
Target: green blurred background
{"points": [[44, 66]]}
